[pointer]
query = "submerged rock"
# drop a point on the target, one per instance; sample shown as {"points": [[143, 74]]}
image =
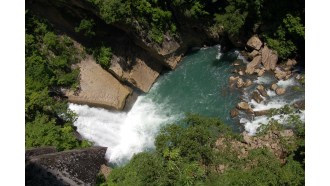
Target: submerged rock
{"points": [[254, 42], [234, 112]]}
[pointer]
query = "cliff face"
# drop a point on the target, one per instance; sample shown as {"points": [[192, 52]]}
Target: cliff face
{"points": [[74, 167], [136, 61]]}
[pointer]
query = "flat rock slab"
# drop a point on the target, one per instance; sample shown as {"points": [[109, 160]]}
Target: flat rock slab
{"points": [[98, 87]]}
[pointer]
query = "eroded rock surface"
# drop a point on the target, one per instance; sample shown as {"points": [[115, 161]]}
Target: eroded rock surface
{"points": [[98, 87]]}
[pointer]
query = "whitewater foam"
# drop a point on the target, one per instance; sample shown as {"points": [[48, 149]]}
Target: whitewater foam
{"points": [[125, 134]]}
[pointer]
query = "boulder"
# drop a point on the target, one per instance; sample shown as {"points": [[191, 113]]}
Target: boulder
{"points": [[241, 73], [261, 72], [291, 62], [105, 171], [299, 105], [253, 54], [262, 90], [232, 80], [240, 83], [273, 86], [250, 67], [248, 83], [256, 96], [261, 112], [246, 138], [243, 106], [286, 133], [98, 87], [279, 74], [73, 167], [254, 42], [234, 112], [268, 58], [280, 91]]}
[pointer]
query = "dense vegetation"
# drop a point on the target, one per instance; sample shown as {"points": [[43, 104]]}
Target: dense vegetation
{"points": [[280, 23], [48, 68], [186, 155]]}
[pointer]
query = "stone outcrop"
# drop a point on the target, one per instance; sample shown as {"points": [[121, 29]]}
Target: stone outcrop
{"points": [[253, 54], [74, 167], [250, 67], [268, 58], [39, 151], [142, 74], [254, 42], [256, 96], [262, 90], [272, 140], [98, 87], [280, 91], [291, 62]]}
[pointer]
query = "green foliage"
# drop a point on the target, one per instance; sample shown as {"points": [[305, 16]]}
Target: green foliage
{"points": [[86, 27], [185, 155], [103, 56], [48, 60]]}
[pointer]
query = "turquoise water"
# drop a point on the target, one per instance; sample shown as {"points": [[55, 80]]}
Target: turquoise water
{"points": [[199, 85]]}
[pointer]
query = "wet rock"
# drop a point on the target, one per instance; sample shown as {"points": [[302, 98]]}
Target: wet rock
{"points": [[254, 42], [240, 83], [250, 67], [237, 62], [268, 58], [234, 112], [248, 83], [261, 72], [256, 96], [262, 90], [241, 73], [279, 74], [261, 112], [280, 91], [243, 106], [299, 105], [273, 86], [233, 80]]}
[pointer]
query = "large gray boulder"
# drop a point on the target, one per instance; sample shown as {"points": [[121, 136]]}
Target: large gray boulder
{"points": [[73, 167]]}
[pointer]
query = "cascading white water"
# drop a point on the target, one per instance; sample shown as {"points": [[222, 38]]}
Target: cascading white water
{"points": [[124, 133]]}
